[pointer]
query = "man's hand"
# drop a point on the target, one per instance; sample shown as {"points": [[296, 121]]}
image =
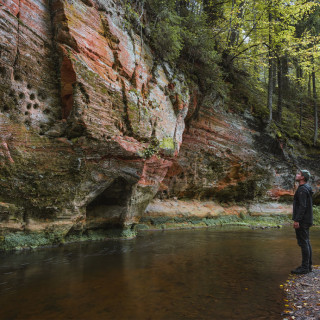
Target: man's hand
{"points": [[296, 225]]}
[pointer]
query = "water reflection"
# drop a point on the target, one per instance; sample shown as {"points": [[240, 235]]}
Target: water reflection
{"points": [[190, 274]]}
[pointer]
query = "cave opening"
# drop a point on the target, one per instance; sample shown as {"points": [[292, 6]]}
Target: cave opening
{"points": [[111, 205]]}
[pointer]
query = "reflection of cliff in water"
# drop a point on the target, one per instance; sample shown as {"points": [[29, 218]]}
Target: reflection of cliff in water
{"points": [[226, 273]]}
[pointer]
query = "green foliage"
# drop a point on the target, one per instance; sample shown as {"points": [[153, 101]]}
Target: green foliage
{"points": [[316, 215], [193, 221], [167, 143], [225, 48], [247, 94], [152, 148], [166, 38], [290, 123], [31, 240], [296, 136], [165, 29], [22, 240], [184, 37], [275, 130], [199, 55]]}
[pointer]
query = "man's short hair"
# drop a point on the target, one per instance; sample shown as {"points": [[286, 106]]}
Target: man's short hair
{"points": [[306, 174]]}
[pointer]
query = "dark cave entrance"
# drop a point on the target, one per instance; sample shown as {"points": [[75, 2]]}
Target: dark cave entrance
{"points": [[111, 205]]}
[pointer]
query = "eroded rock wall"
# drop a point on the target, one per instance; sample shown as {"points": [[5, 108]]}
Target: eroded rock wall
{"points": [[84, 107], [234, 158], [225, 157], [92, 125]]}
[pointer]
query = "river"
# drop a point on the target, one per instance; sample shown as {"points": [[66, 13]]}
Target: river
{"points": [[219, 273]]}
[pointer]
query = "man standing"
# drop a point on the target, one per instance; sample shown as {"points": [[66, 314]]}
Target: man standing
{"points": [[303, 219]]}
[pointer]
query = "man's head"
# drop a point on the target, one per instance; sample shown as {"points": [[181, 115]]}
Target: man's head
{"points": [[303, 176], [306, 174]]}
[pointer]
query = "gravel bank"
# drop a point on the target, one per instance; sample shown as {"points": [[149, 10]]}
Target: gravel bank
{"points": [[303, 296]]}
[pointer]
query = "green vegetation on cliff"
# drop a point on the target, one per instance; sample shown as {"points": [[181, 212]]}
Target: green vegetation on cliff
{"points": [[258, 55]]}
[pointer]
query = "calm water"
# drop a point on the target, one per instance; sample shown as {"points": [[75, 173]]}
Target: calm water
{"points": [[223, 273]]}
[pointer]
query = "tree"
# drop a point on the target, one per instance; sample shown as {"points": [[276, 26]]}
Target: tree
{"points": [[308, 32], [272, 42]]}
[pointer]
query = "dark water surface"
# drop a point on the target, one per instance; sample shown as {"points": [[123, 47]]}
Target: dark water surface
{"points": [[227, 273]]}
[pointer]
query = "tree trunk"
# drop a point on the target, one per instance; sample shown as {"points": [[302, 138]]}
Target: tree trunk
{"points": [[284, 77], [230, 23], [299, 76], [274, 74], [315, 105], [300, 117], [309, 86], [234, 31], [270, 87], [271, 71], [280, 92]]}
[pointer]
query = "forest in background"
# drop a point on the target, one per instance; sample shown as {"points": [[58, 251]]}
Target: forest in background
{"points": [[260, 55]]}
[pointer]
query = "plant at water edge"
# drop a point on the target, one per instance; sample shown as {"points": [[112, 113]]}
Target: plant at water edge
{"points": [[316, 215]]}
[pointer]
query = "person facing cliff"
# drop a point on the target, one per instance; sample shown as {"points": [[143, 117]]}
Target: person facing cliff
{"points": [[303, 219]]}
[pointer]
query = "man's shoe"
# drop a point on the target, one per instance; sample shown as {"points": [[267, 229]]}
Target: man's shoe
{"points": [[300, 270], [296, 269]]}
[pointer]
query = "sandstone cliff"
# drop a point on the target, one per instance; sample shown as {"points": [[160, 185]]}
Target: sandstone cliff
{"points": [[93, 127]]}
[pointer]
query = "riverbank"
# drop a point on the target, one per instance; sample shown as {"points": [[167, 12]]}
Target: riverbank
{"points": [[159, 215], [303, 296], [176, 214]]}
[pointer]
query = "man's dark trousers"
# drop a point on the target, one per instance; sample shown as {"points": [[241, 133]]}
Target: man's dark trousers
{"points": [[302, 235]]}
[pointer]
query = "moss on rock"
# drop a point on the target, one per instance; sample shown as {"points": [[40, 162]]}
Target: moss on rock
{"points": [[30, 240]]}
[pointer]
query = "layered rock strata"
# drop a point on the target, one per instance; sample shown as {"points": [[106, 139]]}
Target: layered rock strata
{"points": [[226, 158], [84, 108], [92, 126]]}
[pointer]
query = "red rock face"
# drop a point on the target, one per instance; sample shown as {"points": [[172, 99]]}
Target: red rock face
{"points": [[81, 100], [92, 126], [220, 159], [29, 86], [106, 85]]}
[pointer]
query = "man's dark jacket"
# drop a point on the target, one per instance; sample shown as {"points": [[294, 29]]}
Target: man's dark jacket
{"points": [[302, 206]]}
